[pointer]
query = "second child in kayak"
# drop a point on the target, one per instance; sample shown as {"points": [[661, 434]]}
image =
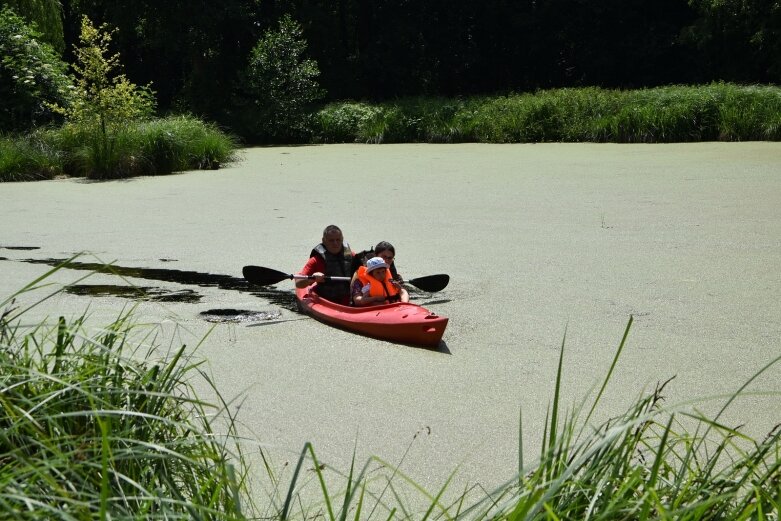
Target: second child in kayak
{"points": [[373, 285]]}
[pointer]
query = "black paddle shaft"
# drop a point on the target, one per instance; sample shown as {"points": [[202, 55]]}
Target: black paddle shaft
{"points": [[267, 276]]}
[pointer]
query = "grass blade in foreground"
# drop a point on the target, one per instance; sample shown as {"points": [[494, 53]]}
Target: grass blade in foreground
{"points": [[92, 427]]}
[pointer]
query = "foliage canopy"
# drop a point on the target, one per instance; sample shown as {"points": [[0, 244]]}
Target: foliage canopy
{"points": [[279, 84], [32, 75]]}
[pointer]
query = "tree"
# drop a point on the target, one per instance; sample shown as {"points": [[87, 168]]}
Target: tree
{"points": [[46, 16], [32, 75], [192, 50], [279, 85], [104, 101], [739, 39]]}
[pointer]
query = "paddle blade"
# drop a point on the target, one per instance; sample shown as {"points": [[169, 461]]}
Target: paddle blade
{"points": [[430, 282], [263, 276]]}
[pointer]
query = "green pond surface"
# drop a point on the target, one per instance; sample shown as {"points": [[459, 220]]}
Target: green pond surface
{"points": [[540, 241]]}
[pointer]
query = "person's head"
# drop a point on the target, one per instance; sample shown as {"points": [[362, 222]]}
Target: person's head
{"points": [[385, 250], [376, 267], [333, 239]]}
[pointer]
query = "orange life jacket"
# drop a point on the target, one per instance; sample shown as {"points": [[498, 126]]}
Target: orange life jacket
{"points": [[379, 288]]}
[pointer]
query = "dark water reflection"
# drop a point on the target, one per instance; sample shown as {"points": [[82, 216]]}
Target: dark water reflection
{"points": [[285, 299], [134, 292]]}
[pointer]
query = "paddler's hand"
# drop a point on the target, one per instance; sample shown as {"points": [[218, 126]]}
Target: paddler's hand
{"points": [[319, 277]]}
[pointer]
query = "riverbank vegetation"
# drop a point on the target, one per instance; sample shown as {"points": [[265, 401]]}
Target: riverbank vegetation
{"points": [[153, 147], [456, 71], [716, 112], [106, 425], [95, 124]]}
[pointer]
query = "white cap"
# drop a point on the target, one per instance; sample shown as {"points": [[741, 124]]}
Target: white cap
{"points": [[374, 263]]}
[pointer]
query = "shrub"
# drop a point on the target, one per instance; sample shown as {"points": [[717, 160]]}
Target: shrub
{"points": [[32, 76], [279, 86], [104, 105]]}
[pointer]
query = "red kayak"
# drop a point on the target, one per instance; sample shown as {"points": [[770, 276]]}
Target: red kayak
{"points": [[404, 323]]}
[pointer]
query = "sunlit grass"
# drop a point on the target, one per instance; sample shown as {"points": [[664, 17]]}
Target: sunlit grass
{"points": [[27, 159], [101, 425], [718, 111], [155, 147]]}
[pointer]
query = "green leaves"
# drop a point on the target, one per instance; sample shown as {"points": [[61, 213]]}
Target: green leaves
{"points": [[279, 84], [103, 97], [32, 76]]}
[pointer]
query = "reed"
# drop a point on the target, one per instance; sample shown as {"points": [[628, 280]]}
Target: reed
{"points": [[100, 425], [718, 111], [154, 147], [27, 159]]}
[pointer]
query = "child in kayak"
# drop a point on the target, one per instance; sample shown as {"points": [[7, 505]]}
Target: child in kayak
{"points": [[383, 249], [373, 285]]}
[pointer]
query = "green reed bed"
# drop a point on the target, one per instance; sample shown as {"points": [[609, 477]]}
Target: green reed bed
{"points": [[97, 425], [26, 159], [718, 111], [154, 147]]}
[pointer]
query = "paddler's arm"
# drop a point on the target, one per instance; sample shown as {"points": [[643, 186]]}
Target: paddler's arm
{"points": [[315, 267]]}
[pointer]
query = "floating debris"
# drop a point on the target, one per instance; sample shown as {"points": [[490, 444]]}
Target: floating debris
{"points": [[239, 315]]}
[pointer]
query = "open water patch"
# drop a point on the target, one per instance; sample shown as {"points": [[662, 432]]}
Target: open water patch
{"points": [[221, 316], [285, 299], [134, 292]]}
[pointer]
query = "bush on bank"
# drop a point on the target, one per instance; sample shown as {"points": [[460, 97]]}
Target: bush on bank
{"points": [[152, 147], [719, 111]]}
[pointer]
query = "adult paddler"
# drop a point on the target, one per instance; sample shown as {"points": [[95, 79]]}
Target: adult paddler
{"points": [[332, 257]]}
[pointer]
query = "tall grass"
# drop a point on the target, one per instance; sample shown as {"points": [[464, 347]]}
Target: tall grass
{"points": [[27, 159], [719, 111], [100, 426], [154, 147]]}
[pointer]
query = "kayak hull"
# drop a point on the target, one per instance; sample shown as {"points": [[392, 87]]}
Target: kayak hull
{"points": [[404, 323]]}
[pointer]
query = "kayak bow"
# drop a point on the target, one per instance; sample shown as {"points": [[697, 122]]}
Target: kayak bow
{"points": [[400, 322]]}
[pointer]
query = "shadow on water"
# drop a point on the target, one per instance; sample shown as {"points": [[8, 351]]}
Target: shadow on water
{"points": [[434, 302], [134, 292], [285, 299], [22, 248]]}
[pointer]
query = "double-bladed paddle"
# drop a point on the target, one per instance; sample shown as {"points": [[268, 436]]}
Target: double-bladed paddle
{"points": [[266, 276], [430, 283]]}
